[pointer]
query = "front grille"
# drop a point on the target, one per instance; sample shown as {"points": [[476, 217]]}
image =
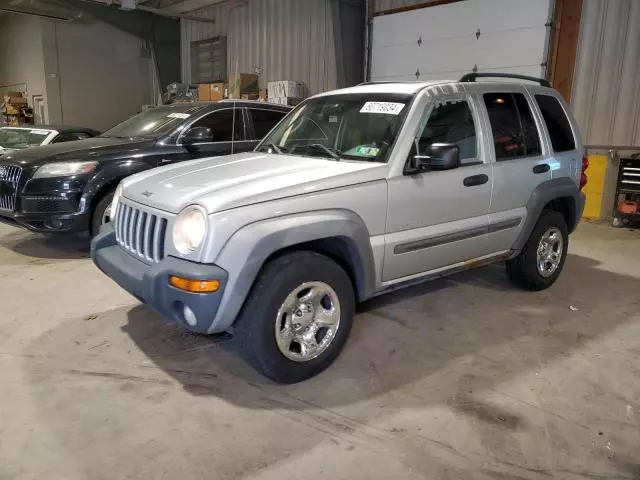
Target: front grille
{"points": [[140, 232], [9, 179]]}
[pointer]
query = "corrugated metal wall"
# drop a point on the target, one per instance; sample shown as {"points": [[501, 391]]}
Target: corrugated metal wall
{"points": [[285, 39], [382, 5], [606, 90]]}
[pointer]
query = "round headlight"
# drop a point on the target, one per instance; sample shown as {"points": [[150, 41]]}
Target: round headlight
{"points": [[114, 202], [189, 229]]}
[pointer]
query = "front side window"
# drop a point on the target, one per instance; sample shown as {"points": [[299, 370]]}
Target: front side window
{"points": [[265, 120], [225, 124], [514, 130], [19, 138], [557, 123], [451, 122], [357, 126]]}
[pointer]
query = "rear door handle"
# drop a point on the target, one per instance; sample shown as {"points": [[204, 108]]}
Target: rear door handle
{"points": [[542, 168], [474, 180]]}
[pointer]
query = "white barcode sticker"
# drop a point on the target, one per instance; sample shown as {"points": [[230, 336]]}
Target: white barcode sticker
{"points": [[178, 115], [389, 108], [40, 132]]}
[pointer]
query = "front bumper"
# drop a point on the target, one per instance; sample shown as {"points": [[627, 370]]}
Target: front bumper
{"points": [[150, 283], [47, 222]]}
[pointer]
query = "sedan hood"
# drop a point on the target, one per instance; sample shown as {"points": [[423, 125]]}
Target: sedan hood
{"points": [[221, 183], [89, 149]]}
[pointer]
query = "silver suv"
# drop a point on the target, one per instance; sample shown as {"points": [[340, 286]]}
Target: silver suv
{"points": [[354, 193]]}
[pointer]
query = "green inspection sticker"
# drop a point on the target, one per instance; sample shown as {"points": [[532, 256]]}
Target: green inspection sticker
{"points": [[366, 151]]}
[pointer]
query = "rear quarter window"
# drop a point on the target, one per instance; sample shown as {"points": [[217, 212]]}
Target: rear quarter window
{"points": [[558, 125]]}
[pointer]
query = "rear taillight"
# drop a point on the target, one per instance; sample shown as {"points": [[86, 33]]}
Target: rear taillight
{"points": [[583, 174]]}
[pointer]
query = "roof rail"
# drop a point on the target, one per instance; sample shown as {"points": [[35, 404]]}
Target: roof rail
{"points": [[471, 77]]}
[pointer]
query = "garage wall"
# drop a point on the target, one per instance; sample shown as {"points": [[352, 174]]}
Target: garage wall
{"points": [[21, 57], [97, 75], [282, 39], [606, 89]]}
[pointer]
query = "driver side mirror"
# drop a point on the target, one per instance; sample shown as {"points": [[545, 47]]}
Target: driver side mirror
{"points": [[197, 135], [438, 156]]}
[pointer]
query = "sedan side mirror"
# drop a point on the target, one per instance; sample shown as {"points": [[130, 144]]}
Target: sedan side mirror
{"points": [[197, 135], [438, 156]]}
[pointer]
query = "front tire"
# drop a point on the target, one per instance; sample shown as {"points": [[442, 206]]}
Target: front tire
{"points": [[100, 214], [297, 317], [539, 264]]}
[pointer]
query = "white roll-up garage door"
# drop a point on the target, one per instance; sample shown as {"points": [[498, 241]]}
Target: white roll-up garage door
{"points": [[447, 41]]}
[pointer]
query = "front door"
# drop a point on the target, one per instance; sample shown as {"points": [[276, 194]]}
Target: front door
{"points": [[439, 218], [229, 136], [521, 163]]}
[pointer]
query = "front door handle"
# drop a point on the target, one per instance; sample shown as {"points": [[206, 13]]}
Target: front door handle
{"points": [[474, 180], [542, 168]]}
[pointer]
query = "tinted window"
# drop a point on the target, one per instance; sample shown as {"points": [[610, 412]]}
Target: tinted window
{"points": [[514, 130], [557, 123], [451, 122], [221, 124], [69, 137], [265, 120]]}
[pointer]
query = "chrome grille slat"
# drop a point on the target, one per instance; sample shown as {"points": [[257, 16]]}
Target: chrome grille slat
{"points": [[140, 231], [9, 183]]}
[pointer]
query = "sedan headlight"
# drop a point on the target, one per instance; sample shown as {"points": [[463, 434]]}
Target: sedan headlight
{"points": [[115, 201], [189, 229], [64, 169]]}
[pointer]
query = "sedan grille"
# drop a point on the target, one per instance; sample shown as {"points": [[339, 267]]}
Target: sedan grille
{"points": [[140, 232], [9, 180]]}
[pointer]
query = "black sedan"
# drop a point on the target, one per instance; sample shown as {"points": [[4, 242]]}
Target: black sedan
{"points": [[68, 187]]}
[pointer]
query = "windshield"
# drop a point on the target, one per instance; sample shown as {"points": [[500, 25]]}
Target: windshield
{"points": [[343, 126], [19, 138], [152, 123]]}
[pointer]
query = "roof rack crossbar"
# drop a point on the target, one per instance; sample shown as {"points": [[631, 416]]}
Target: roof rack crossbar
{"points": [[471, 77]]}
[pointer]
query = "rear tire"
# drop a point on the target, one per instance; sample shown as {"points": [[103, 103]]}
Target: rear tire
{"points": [[101, 212], [278, 330], [541, 260]]}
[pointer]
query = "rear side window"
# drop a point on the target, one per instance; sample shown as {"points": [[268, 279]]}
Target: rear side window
{"points": [[557, 123], [264, 120], [514, 130]]}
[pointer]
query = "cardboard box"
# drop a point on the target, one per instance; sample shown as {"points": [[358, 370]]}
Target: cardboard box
{"points": [[285, 101], [263, 95], [208, 92], [242, 83], [15, 100], [287, 88], [250, 96]]}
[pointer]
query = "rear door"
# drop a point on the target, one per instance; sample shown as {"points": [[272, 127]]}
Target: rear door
{"points": [[521, 160], [261, 121], [439, 218]]}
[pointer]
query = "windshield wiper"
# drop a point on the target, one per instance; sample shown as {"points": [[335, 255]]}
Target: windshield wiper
{"points": [[324, 148]]}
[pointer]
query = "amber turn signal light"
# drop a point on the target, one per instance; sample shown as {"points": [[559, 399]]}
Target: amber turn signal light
{"points": [[194, 286]]}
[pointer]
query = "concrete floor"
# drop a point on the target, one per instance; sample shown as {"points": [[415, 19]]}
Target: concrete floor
{"points": [[462, 378]]}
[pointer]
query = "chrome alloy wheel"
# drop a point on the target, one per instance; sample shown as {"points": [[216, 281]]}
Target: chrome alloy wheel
{"points": [[307, 321], [549, 252]]}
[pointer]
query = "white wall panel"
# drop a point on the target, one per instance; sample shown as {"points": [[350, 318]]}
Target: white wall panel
{"points": [[606, 90], [444, 41], [285, 39]]}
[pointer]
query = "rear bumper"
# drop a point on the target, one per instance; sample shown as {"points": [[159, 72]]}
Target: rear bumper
{"points": [[150, 283]]}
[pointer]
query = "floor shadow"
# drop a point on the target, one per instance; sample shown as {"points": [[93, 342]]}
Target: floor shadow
{"points": [[45, 246], [408, 336]]}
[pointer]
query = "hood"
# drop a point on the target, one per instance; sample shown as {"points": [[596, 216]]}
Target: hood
{"points": [[89, 149], [221, 183]]}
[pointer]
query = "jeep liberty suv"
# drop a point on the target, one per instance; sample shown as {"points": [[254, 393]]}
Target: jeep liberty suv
{"points": [[354, 193]]}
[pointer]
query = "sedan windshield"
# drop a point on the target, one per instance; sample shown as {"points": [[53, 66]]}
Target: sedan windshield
{"points": [[19, 138], [152, 123], [359, 126]]}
